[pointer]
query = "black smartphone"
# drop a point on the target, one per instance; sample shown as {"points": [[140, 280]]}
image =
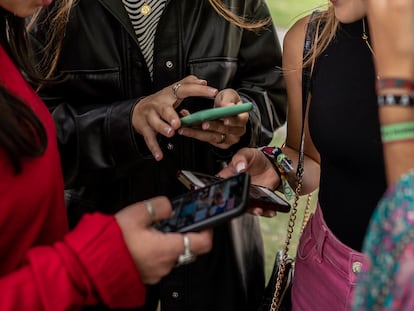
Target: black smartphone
{"points": [[208, 206], [258, 195]]}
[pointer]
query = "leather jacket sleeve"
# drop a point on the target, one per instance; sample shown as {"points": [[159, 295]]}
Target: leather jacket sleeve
{"points": [[84, 152]]}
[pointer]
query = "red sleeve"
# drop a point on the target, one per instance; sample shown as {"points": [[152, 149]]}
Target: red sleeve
{"points": [[91, 264]]}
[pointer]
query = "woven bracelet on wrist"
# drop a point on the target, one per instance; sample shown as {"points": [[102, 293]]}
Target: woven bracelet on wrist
{"points": [[282, 165], [406, 100], [397, 132], [395, 83]]}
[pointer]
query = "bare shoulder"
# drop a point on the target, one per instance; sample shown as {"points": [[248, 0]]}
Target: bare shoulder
{"points": [[294, 40]]}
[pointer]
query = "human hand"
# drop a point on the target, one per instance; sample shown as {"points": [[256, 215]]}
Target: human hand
{"points": [[156, 113], [391, 27], [156, 253], [253, 161], [260, 169], [221, 133]]}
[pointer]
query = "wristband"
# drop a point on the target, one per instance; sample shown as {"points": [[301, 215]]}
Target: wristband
{"points": [[406, 100], [395, 83], [397, 132], [282, 165]]}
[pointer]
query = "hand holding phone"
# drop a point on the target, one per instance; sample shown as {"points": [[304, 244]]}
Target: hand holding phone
{"points": [[208, 206], [215, 114], [259, 196]]}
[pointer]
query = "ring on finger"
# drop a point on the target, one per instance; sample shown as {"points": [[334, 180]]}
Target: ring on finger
{"points": [[150, 210], [187, 257], [175, 88], [222, 139]]}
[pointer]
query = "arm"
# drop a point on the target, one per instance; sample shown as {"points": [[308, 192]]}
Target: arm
{"points": [[105, 258], [394, 49], [292, 64], [253, 160], [75, 272]]}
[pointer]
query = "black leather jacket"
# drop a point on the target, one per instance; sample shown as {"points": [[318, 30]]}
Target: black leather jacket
{"points": [[107, 166]]}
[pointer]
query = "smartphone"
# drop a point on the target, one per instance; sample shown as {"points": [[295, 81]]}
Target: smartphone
{"points": [[258, 195], [215, 113], [208, 206]]}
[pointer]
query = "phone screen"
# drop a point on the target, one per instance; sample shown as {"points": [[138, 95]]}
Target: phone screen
{"points": [[208, 206], [258, 195]]}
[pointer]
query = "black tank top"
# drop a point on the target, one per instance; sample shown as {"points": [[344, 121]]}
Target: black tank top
{"points": [[344, 127]]}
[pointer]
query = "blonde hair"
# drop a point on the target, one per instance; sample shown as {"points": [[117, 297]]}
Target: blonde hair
{"points": [[329, 23], [59, 14], [227, 14]]}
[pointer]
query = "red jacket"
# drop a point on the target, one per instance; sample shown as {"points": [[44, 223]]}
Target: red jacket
{"points": [[42, 265]]}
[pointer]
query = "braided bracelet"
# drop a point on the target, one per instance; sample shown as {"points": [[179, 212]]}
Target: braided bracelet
{"points": [[397, 132], [405, 100], [282, 165], [395, 83]]}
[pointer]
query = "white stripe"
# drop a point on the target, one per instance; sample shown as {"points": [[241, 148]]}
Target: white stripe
{"points": [[145, 26]]}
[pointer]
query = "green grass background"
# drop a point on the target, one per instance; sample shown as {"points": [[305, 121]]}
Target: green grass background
{"points": [[284, 14]]}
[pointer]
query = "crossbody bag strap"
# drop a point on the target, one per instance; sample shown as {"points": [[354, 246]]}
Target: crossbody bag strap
{"points": [[312, 32]]}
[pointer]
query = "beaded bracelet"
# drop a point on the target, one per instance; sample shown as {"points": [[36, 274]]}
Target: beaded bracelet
{"points": [[397, 132], [282, 165], [395, 83], [405, 100]]}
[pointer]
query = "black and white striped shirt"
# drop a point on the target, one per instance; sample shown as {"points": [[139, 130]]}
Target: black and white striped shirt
{"points": [[145, 26]]}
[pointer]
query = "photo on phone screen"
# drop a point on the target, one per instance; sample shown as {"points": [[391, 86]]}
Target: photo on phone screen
{"points": [[259, 196], [208, 206]]}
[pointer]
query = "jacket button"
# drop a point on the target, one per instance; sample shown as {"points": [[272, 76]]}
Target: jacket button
{"points": [[169, 64], [174, 295], [170, 146]]}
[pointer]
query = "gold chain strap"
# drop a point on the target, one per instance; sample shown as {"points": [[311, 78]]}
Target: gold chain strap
{"points": [[292, 218]]}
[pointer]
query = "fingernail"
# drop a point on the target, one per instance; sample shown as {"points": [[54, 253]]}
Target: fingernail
{"points": [[168, 130], [181, 131], [205, 125], [174, 123], [241, 166], [272, 214], [213, 91], [157, 156]]}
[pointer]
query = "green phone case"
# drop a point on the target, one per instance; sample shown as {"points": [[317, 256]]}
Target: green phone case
{"points": [[215, 113]]}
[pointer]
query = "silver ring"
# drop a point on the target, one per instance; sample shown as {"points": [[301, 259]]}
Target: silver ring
{"points": [[222, 139], [175, 88], [187, 257], [150, 210]]}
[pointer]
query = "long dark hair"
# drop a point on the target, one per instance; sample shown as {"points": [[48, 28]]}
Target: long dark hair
{"points": [[21, 132]]}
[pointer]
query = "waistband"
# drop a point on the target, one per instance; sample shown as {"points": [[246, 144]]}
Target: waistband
{"points": [[345, 259]]}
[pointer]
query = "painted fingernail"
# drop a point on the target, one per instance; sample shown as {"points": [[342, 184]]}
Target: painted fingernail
{"points": [[241, 166]]}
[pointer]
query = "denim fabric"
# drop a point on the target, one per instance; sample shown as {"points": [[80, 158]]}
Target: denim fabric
{"points": [[326, 270]]}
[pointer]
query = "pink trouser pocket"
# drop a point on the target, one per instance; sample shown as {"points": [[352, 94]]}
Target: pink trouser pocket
{"points": [[326, 270]]}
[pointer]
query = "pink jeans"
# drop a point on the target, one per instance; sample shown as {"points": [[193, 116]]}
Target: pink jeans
{"points": [[325, 270]]}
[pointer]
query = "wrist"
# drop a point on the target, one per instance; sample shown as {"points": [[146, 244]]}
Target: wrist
{"points": [[282, 165]]}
